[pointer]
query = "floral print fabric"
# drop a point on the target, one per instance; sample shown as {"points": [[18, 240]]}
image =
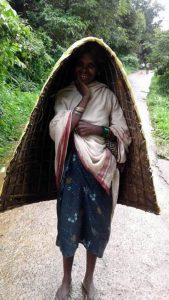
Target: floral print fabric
{"points": [[83, 209]]}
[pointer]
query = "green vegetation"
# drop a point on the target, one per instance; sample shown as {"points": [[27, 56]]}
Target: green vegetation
{"points": [[130, 62], [158, 98], [23, 54], [21, 74], [123, 24], [15, 111], [158, 103], [160, 58]]}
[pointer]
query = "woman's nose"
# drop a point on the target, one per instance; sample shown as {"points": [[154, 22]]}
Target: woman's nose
{"points": [[84, 68]]}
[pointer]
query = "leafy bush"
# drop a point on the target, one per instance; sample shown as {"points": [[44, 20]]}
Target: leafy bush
{"points": [[37, 65], [23, 52], [160, 59], [15, 110], [159, 110], [13, 33], [164, 81], [130, 62]]}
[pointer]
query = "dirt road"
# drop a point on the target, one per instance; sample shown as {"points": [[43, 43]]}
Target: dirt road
{"points": [[136, 262]]}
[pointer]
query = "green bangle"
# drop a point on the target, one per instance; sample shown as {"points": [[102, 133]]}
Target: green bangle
{"points": [[105, 132]]}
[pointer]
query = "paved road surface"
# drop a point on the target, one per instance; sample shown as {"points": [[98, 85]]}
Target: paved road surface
{"points": [[136, 261]]}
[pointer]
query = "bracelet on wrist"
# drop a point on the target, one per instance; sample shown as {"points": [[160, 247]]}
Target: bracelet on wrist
{"points": [[79, 109], [77, 112], [105, 132]]}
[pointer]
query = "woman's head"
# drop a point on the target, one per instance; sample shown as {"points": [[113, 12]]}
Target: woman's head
{"points": [[102, 71], [88, 62], [85, 68]]}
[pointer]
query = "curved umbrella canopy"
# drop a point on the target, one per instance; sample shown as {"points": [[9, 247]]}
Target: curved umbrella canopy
{"points": [[30, 175]]}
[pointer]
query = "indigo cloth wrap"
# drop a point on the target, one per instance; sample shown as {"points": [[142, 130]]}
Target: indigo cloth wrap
{"points": [[83, 209]]}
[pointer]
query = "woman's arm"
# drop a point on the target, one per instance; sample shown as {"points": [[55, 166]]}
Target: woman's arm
{"points": [[84, 91], [85, 128]]}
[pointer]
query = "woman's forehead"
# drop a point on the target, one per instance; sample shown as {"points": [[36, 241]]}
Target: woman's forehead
{"points": [[86, 57]]}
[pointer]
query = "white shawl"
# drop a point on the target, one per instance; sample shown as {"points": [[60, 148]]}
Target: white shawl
{"points": [[103, 109]]}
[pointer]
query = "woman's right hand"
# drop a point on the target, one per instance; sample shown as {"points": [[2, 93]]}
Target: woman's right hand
{"points": [[83, 89]]}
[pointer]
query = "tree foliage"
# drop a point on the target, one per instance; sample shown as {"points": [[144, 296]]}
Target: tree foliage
{"points": [[34, 39], [12, 38], [123, 24], [20, 47], [160, 58], [150, 11]]}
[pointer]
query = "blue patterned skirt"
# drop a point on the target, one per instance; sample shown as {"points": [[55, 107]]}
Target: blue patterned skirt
{"points": [[83, 209]]}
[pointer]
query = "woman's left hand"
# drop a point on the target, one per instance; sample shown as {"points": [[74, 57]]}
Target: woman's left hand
{"points": [[84, 128]]}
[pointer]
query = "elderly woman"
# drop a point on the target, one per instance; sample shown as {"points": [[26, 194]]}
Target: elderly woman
{"points": [[87, 113]]}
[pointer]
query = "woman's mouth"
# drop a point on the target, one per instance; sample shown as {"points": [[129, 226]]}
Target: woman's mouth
{"points": [[84, 77]]}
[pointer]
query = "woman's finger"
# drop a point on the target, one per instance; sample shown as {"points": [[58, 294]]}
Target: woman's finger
{"points": [[83, 131], [82, 125], [83, 122]]}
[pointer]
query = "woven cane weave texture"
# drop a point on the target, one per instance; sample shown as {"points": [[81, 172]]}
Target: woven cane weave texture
{"points": [[30, 175]]}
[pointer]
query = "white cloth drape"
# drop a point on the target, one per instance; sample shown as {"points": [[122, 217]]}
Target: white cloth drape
{"points": [[103, 109]]}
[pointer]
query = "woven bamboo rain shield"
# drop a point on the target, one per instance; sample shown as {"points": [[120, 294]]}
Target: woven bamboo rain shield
{"points": [[30, 175]]}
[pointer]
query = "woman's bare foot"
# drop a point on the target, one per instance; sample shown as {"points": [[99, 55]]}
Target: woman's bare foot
{"points": [[89, 289], [63, 291]]}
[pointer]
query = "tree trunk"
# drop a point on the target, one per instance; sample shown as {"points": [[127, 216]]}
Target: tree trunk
{"points": [[67, 5]]}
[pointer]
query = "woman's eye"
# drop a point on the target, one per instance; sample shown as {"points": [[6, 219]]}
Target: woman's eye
{"points": [[91, 66], [79, 65]]}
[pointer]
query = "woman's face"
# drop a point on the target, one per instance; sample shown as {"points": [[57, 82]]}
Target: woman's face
{"points": [[85, 69]]}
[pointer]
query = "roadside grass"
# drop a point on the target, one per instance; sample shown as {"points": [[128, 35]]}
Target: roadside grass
{"points": [[15, 110], [158, 103]]}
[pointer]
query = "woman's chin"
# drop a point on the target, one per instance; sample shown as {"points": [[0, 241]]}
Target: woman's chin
{"points": [[87, 82]]}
